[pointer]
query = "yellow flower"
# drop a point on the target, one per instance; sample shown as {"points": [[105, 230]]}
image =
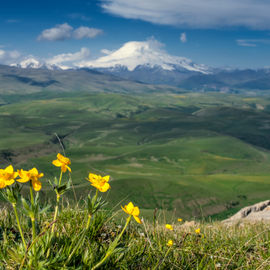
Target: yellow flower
{"points": [[31, 175], [169, 227], [180, 219], [99, 182], [62, 162], [130, 209], [170, 243], [198, 231], [7, 176]]}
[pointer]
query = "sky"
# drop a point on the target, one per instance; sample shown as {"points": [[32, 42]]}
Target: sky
{"points": [[217, 33]]}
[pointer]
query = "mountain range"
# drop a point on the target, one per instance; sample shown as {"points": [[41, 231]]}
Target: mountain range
{"points": [[146, 62]]}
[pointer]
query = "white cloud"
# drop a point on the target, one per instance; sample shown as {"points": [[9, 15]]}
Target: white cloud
{"points": [[59, 32], [183, 37], [105, 51], [252, 42], [8, 57], [64, 31], [86, 32], [245, 43], [194, 13], [2, 53], [67, 60]]}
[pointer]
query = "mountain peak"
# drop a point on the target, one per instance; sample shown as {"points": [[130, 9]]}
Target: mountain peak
{"points": [[143, 53], [29, 62]]}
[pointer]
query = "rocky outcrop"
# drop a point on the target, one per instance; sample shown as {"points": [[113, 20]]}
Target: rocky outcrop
{"points": [[257, 212]]}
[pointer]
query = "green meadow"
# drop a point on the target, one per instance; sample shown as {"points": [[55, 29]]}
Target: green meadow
{"points": [[193, 155]]}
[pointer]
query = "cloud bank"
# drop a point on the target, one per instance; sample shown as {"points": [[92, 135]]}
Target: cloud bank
{"points": [[67, 60], [201, 14], [8, 57], [64, 31]]}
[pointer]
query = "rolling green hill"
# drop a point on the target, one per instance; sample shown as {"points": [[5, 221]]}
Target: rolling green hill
{"points": [[190, 154]]}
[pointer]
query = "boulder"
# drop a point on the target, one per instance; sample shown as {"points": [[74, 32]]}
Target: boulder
{"points": [[257, 212]]}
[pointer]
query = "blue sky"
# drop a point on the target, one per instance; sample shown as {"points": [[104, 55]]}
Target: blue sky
{"points": [[213, 32]]}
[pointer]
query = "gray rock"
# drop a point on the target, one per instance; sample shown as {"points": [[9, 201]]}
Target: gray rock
{"points": [[257, 212]]}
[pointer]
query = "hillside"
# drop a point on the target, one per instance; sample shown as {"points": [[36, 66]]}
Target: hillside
{"points": [[193, 154], [30, 81]]}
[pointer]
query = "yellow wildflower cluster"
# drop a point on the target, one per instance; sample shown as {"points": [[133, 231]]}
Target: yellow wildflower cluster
{"points": [[99, 182], [169, 227], [62, 162], [132, 210], [170, 243], [8, 177]]}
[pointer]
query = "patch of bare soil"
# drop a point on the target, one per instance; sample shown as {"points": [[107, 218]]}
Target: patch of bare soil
{"points": [[21, 155]]}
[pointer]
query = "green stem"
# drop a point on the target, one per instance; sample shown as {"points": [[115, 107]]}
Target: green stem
{"points": [[88, 222], [56, 211], [95, 197], [19, 225], [57, 202], [33, 218], [90, 214], [60, 178], [112, 246]]}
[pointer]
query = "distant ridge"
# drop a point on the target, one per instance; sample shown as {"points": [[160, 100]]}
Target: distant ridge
{"points": [[15, 80]]}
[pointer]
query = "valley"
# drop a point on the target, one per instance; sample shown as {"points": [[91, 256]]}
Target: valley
{"points": [[190, 154]]}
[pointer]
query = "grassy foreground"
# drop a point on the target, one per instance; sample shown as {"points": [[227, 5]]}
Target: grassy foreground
{"points": [[142, 246], [97, 235]]}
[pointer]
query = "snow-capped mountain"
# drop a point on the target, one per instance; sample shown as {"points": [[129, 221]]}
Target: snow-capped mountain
{"points": [[148, 54], [144, 61], [31, 62], [148, 62]]}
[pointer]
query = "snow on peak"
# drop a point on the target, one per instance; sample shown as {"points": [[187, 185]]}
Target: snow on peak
{"points": [[30, 62], [139, 53]]}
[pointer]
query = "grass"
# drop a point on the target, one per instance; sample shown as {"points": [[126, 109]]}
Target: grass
{"points": [[218, 246], [193, 154]]}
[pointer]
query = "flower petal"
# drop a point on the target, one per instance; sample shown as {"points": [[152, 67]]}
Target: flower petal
{"points": [[2, 184], [23, 180], [63, 159], [169, 227], [9, 169], [104, 188], [9, 182], [136, 211], [124, 208], [63, 168], [68, 168], [106, 178], [36, 185], [57, 163], [130, 208], [137, 219], [93, 177]]}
